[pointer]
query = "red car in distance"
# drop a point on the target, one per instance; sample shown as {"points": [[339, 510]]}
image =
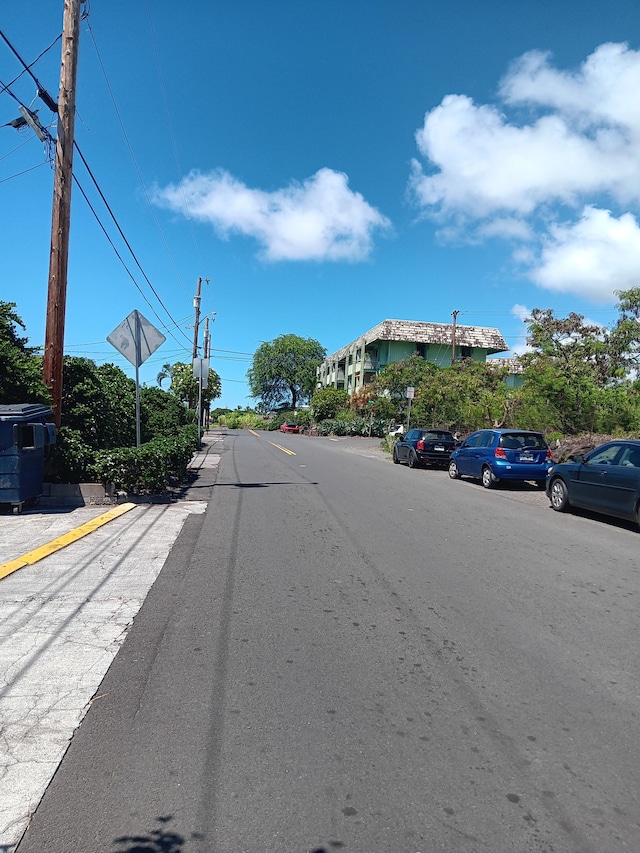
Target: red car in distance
{"points": [[289, 426]]}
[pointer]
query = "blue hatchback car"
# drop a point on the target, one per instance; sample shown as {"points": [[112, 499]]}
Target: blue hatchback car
{"points": [[491, 455]]}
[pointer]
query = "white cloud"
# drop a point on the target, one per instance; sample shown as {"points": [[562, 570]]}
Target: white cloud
{"points": [[509, 228], [320, 219], [487, 173], [522, 313], [593, 257], [604, 91], [488, 166]]}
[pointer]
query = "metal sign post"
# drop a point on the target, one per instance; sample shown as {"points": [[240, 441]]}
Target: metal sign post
{"points": [[409, 394], [201, 373], [136, 339]]}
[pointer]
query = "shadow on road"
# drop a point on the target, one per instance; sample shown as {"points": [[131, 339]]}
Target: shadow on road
{"points": [[157, 841]]}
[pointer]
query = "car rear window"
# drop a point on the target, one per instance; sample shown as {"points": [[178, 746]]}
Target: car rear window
{"points": [[438, 435], [518, 441]]}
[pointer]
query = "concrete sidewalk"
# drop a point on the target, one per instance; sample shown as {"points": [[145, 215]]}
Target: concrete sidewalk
{"points": [[63, 619]]}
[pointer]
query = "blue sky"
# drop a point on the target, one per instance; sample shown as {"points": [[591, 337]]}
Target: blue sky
{"points": [[327, 165]]}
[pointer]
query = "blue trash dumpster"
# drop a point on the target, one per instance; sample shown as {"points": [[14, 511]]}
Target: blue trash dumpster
{"points": [[25, 437]]}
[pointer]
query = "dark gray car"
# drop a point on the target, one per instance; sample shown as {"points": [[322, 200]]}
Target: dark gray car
{"points": [[425, 447]]}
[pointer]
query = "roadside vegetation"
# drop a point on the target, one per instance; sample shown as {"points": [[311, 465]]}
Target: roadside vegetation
{"points": [[97, 438], [579, 382], [579, 386]]}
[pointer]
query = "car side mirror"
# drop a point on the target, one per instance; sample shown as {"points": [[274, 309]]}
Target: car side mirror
{"points": [[577, 457]]}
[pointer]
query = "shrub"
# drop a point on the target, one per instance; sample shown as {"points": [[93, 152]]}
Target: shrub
{"points": [[241, 420], [326, 403], [348, 424], [304, 419], [150, 468], [70, 458]]}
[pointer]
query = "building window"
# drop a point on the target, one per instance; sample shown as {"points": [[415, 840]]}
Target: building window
{"points": [[421, 349], [465, 352]]}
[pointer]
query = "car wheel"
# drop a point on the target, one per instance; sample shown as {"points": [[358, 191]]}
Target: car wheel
{"points": [[559, 495], [396, 461], [453, 471], [487, 477], [413, 459]]}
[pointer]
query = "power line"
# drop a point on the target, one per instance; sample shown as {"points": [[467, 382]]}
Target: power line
{"points": [[53, 106], [134, 161], [42, 92], [19, 174], [121, 232]]}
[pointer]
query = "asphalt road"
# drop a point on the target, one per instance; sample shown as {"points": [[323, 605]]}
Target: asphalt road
{"points": [[347, 655]]}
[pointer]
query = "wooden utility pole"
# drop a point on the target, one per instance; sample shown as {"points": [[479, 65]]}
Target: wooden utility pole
{"points": [[61, 216], [454, 314]]}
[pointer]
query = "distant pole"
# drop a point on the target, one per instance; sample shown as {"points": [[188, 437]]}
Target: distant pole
{"points": [[206, 355], [206, 338], [61, 215], [196, 305], [454, 314]]}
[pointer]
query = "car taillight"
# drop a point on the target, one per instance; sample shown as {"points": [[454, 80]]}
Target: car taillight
{"points": [[499, 453], [420, 445], [548, 454]]}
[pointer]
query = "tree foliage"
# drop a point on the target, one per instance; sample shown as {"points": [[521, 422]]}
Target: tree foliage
{"points": [[580, 376], [184, 385], [98, 402], [327, 402], [20, 369], [161, 414], [284, 370]]}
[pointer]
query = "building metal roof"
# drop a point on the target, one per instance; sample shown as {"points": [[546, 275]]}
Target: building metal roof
{"points": [[514, 364], [418, 332]]}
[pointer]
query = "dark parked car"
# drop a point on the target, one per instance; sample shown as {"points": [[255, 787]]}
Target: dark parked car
{"points": [[289, 426], [605, 480], [422, 447], [491, 455]]}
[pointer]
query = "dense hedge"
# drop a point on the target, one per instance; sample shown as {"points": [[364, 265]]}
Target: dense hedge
{"points": [[353, 425], [150, 468]]}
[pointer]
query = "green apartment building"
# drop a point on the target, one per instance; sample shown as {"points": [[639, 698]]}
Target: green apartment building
{"points": [[357, 363]]}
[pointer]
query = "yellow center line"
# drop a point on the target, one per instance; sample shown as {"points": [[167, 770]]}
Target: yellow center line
{"points": [[283, 449], [253, 432], [62, 541]]}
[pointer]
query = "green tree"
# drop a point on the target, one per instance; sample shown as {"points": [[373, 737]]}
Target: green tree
{"points": [[20, 369], [574, 367], [392, 382], [98, 413], [468, 395], [396, 377], [625, 335], [98, 402], [327, 402], [184, 385], [161, 413], [284, 370]]}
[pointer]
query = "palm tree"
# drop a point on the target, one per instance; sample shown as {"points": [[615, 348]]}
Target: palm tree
{"points": [[165, 373]]}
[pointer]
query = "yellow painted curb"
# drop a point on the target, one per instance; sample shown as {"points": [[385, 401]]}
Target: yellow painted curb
{"points": [[62, 541]]}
